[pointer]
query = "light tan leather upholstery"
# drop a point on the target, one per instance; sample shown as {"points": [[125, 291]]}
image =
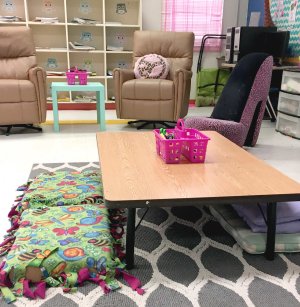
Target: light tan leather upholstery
{"points": [[22, 84], [157, 99]]}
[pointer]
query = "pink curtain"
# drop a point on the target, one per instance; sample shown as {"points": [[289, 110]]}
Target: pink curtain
{"points": [[198, 16]]}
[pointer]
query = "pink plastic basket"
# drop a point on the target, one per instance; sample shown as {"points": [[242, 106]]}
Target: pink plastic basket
{"points": [[71, 76], [81, 74], [188, 142], [169, 150]]}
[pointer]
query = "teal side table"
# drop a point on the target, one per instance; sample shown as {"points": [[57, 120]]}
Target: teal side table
{"points": [[90, 87]]}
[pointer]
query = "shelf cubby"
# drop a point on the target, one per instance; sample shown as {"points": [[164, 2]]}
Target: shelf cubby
{"points": [[92, 62], [92, 9], [110, 93], [13, 8], [118, 60], [61, 96], [53, 61], [120, 37], [87, 35], [47, 9], [49, 36], [85, 96], [122, 12]]}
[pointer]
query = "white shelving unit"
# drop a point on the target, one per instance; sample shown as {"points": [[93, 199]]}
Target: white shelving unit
{"points": [[111, 35], [288, 120]]}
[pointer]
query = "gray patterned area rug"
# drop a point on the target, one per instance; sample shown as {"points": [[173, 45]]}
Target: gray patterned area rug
{"points": [[185, 258]]}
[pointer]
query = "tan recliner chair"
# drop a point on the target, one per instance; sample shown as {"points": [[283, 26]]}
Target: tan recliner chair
{"points": [[156, 100], [22, 84]]}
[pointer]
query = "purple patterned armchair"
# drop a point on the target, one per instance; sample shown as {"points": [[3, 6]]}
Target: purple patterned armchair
{"points": [[241, 106]]}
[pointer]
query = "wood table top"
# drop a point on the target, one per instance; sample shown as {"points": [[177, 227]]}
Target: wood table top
{"points": [[135, 176]]}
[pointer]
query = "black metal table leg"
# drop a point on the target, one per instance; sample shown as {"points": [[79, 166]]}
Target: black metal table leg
{"points": [[271, 233], [130, 237]]}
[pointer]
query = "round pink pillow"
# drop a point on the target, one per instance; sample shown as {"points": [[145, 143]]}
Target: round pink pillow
{"points": [[151, 66]]}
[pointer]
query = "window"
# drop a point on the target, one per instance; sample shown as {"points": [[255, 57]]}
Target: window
{"points": [[198, 16]]}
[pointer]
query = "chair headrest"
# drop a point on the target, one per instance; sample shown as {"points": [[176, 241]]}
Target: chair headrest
{"points": [[166, 44], [16, 41]]}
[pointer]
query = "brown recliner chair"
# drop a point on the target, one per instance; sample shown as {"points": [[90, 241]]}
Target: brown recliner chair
{"points": [[156, 100], [22, 84]]}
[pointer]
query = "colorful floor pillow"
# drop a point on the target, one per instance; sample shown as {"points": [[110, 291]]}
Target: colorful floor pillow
{"points": [[61, 188], [63, 245], [253, 243], [64, 188]]}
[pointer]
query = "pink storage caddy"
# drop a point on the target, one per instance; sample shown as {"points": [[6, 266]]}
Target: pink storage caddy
{"points": [[73, 73], [188, 142]]}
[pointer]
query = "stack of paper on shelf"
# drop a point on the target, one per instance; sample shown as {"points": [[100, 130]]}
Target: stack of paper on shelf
{"points": [[114, 48], [79, 46], [82, 98], [10, 18], [47, 19], [81, 20]]}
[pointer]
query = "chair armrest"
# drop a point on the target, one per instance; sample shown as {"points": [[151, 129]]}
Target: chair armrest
{"points": [[120, 76], [186, 74], [37, 76], [182, 81]]}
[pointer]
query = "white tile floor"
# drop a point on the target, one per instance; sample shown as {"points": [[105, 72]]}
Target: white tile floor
{"points": [[77, 143]]}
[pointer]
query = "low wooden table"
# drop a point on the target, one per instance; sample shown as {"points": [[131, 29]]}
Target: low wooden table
{"points": [[134, 176]]}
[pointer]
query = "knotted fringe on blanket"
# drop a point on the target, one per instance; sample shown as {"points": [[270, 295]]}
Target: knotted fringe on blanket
{"points": [[69, 281], [14, 216]]}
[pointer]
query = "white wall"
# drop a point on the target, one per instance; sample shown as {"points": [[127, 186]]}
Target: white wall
{"points": [[151, 14], [234, 13], [242, 12]]}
